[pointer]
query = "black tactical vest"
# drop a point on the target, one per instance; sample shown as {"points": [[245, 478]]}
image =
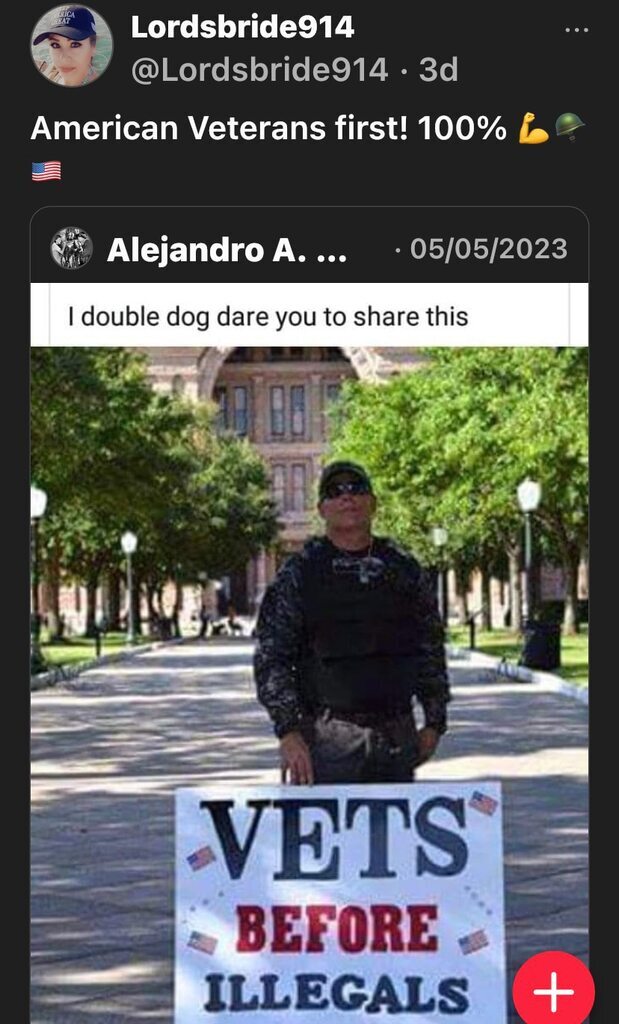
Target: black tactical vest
{"points": [[360, 626]]}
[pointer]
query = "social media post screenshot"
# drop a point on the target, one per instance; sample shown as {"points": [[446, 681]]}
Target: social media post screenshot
{"points": [[309, 524], [309, 317]]}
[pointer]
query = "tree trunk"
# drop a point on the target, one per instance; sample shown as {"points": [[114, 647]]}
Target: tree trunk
{"points": [[178, 603], [153, 617], [461, 591], [91, 603], [571, 561], [461, 608], [52, 594], [486, 604], [113, 600], [515, 590], [502, 594]]}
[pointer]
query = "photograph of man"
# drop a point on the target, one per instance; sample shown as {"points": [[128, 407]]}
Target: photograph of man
{"points": [[349, 642], [71, 46]]}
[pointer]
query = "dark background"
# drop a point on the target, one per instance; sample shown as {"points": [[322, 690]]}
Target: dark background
{"points": [[511, 59]]}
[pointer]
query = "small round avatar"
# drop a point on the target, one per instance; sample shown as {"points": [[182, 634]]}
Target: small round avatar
{"points": [[71, 248], [71, 45]]}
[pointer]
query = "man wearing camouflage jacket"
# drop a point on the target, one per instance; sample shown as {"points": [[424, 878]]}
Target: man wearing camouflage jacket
{"points": [[349, 642]]}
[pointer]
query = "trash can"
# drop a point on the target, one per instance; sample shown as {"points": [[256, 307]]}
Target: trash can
{"points": [[542, 645]]}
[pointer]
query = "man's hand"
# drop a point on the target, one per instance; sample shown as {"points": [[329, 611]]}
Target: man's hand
{"points": [[296, 760], [428, 742]]}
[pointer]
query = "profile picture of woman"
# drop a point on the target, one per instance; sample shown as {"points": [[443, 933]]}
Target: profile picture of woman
{"points": [[71, 45]]}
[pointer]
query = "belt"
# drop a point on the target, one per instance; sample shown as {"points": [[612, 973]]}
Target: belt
{"points": [[368, 719]]}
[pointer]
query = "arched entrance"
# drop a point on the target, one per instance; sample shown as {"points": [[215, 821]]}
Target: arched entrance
{"points": [[366, 363]]}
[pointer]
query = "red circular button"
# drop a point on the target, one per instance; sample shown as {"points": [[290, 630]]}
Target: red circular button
{"points": [[553, 988]]}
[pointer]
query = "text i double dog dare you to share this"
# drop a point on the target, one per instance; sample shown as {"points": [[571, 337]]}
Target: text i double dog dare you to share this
{"points": [[383, 899]]}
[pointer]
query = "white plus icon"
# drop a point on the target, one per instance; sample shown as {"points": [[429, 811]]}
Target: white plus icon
{"points": [[553, 991]]}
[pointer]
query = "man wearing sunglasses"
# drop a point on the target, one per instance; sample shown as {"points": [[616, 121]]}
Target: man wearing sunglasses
{"points": [[349, 644]]}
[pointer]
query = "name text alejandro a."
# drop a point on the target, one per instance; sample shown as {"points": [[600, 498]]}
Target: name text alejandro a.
{"points": [[219, 250]]}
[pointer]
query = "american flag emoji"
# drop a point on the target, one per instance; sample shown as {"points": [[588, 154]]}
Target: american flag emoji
{"points": [[203, 943], [48, 171], [471, 943], [482, 802], [200, 858]]}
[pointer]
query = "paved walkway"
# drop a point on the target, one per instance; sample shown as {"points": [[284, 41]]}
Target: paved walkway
{"points": [[109, 748]]}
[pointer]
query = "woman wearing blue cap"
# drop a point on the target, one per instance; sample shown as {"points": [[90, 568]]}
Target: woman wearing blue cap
{"points": [[71, 34]]}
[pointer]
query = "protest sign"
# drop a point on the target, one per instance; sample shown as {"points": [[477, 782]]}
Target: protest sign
{"points": [[363, 899]]}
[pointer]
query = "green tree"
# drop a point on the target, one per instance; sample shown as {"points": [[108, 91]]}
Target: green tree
{"points": [[449, 443], [217, 518], [114, 465], [113, 455]]}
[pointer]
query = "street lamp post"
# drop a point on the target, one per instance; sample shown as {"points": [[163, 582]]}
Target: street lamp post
{"points": [[529, 494], [38, 504], [129, 543], [439, 539]]}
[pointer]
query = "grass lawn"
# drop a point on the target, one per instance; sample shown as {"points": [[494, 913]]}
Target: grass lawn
{"points": [[81, 648], [503, 643]]}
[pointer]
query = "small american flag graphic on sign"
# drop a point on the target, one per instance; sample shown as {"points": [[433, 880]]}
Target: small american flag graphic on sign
{"points": [[48, 171], [482, 802], [203, 943], [200, 858], [471, 943]]}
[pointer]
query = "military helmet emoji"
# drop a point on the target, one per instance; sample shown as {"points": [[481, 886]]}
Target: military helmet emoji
{"points": [[566, 124]]}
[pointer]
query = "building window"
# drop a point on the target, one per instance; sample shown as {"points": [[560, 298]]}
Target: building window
{"points": [[332, 393], [240, 412], [277, 411], [298, 488], [297, 410], [279, 487], [178, 384], [221, 419]]}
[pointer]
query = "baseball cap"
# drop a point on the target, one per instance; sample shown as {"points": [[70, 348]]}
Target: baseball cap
{"points": [[334, 469], [72, 22]]}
